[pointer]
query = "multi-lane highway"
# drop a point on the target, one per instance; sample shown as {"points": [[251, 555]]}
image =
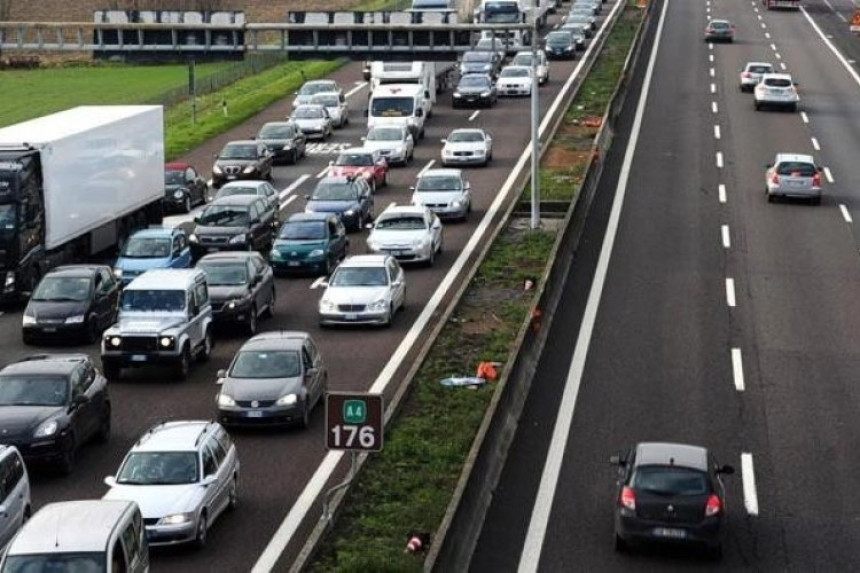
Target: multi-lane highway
{"points": [[712, 316], [276, 465]]}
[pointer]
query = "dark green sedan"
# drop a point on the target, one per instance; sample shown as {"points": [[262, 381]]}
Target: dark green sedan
{"points": [[309, 243]]}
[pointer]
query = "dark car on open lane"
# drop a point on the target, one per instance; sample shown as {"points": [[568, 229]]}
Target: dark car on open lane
{"points": [[284, 139], [234, 223], [242, 160], [241, 288], [474, 90]]}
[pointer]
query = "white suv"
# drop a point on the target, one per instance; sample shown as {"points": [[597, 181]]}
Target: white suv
{"points": [[776, 90], [183, 475]]}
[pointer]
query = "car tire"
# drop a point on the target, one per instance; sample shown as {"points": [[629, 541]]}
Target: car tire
{"points": [[92, 330], [186, 204], [771, 198], [233, 494], [270, 308], [183, 366], [305, 421], [111, 371], [27, 338], [251, 326], [715, 553], [385, 179], [294, 157], [202, 531], [103, 433], [360, 223], [815, 200], [389, 320], [206, 348], [621, 546], [757, 106], [431, 259], [66, 464], [329, 266]]}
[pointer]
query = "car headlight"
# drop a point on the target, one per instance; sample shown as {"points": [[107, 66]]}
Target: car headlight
{"points": [[457, 94], [225, 400], [216, 169], [327, 305], [485, 94], [238, 239], [380, 304], [76, 319], [287, 400], [349, 212], [114, 341], [45, 429], [237, 302], [27, 319], [479, 151], [192, 238], [288, 146], [316, 253], [117, 273], [249, 169], [166, 341], [567, 48], [175, 519], [178, 194], [456, 203], [275, 255], [486, 67]]}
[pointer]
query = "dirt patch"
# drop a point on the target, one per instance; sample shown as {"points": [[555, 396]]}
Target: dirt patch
{"points": [[560, 158]]}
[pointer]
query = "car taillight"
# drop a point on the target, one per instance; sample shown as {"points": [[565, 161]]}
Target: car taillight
{"points": [[746, 75], [714, 506], [775, 179], [816, 180], [628, 498]]}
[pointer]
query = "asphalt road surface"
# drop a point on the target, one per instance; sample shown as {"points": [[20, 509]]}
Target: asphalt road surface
{"points": [[723, 320]]}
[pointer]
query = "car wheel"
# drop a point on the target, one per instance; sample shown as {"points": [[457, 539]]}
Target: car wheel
{"points": [[385, 179], [66, 463], [329, 266], [305, 421], [757, 106], [715, 553], [186, 204], [103, 434], [202, 531], [431, 260], [771, 198], [816, 200], [360, 223], [233, 494], [93, 330], [27, 338], [620, 545], [294, 157], [251, 326], [208, 344], [183, 367], [270, 308]]}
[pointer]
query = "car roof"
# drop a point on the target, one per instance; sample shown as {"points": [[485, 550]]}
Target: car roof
{"points": [[800, 157], [243, 183], [320, 217], [76, 270], [309, 105], [242, 142], [241, 200], [157, 232], [395, 209], [227, 256], [667, 453], [750, 64], [464, 130], [719, 21], [331, 93], [48, 363], [174, 436], [165, 279], [83, 526], [315, 82], [364, 261], [176, 166], [279, 123], [442, 172], [278, 340], [511, 67]]}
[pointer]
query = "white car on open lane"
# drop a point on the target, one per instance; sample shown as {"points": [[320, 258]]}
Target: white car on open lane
{"points": [[514, 81], [410, 233]]}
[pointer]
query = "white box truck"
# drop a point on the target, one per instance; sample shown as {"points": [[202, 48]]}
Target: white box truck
{"points": [[74, 184], [436, 77], [398, 104]]}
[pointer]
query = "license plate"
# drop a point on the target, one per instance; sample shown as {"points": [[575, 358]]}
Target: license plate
{"points": [[795, 183], [50, 329], [138, 358], [293, 263], [211, 249], [351, 316], [255, 414], [670, 532], [231, 177]]}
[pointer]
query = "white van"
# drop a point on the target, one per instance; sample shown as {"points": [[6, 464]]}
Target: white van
{"points": [[399, 104], [14, 493], [91, 535]]}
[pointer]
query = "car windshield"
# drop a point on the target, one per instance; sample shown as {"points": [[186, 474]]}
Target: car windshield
{"points": [[146, 248], [400, 223], [477, 57], [303, 231], [33, 390], [308, 113], [275, 132], [796, 169], [359, 276], [460, 136], [238, 152], [391, 106], [316, 87], [334, 192], [50, 562], [760, 69], [327, 100], [717, 25], [777, 83], [385, 134], [266, 364], [670, 481], [63, 289], [174, 177], [225, 274], [522, 60], [558, 39], [474, 81], [224, 216], [354, 159], [237, 190], [515, 73], [152, 300], [440, 183], [159, 468]]}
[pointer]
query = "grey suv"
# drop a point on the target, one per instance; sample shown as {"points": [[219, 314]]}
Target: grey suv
{"points": [[165, 317]]}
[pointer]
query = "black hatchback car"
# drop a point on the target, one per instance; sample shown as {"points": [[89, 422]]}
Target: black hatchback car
{"points": [[242, 160], [241, 288], [670, 493], [284, 139], [234, 223], [474, 90], [71, 300], [52, 404]]}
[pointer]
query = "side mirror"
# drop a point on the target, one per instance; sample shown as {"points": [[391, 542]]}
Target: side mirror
{"points": [[197, 218], [209, 480], [419, 112], [368, 226], [311, 371], [307, 197], [726, 469], [221, 374], [616, 460], [444, 140], [110, 481], [331, 163], [324, 284], [412, 188]]}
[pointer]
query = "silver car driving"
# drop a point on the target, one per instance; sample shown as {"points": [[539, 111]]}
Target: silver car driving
{"points": [[469, 146], [446, 192], [336, 106], [410, 233], [313, 120], [394, 143], [793, 175], [364, 289]]}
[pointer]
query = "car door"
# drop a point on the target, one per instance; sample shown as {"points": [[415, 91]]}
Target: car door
{"points": [[272, 198], [101, 300], [181, 253], [213, 498], [436, 230], [265, 158], [258, 293], [255, 227], [336, 239], [223, 472], [198, 300], [267, 279], [7, 518], [319, 373], [398, 284], [84, 419]]}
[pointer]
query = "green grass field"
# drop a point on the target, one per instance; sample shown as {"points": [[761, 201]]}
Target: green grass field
{"points": [[33, 93]]}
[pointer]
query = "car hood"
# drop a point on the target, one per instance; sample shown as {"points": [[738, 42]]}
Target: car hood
{"points": [[347, 170], [247, 389], [331, 206], [355, 295], [309, 122], [425, 197], [463, 146], [207, 231], [221, 162], [473, 89], [44, 309], [157, 501], [135, 264], [148, 322], [383, 145], [18, 420], [286, 246], [396, 237], [226, 292]]}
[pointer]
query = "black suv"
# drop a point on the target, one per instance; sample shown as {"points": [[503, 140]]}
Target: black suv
{"points": [[242, 160], [284, 139], [234, 223], [52, 404]]}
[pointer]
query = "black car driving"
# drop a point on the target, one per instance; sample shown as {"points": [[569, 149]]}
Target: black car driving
{"points": [[183, 187], [242, 160], [241, 288], [51, 405], [284, 139], [234, 223], [350, 198], [474, 90], [560, 45], [77, 301], [481, 62], [670, 493]]}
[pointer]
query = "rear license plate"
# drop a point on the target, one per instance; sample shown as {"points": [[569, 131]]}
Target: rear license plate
{"points": [[351, 316], [255, 414], [670, 532], [138, 358]]}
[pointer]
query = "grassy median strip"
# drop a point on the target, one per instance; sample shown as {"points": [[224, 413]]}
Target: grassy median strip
{"points": [[408, 486]]}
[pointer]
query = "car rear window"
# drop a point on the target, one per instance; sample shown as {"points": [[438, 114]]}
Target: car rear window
{"points": [[796, 168], [670, 480], [760, 69], [777, 82], [719, 25]]}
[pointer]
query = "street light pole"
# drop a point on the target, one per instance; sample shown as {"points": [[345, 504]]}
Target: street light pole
{"points": [[535, 117]]}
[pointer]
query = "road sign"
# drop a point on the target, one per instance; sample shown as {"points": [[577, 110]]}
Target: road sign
{"points": [[353, 421], [855, 22]]}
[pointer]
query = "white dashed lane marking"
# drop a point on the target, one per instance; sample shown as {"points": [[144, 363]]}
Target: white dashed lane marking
{"points": [[845, 214], [815, 145], [748, 478], [804, 117], [713, 88], [727, 239], [714, 107], [730, 293], [721, 191], [828, 175], [717, 134], [738, 369], [720, 159]]}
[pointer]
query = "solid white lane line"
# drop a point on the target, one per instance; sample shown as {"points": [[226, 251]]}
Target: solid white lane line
{"points": [[815, 145], [773, 47], [426, 167], [712, 72], [727, 239], [804, 117], [322, 173], [356, 89], [748, 477], [767, 35], [833, 49], [730, 293], [828, 174], [714, 107], [293, 186], [829, 5], [474, 115], [720, 159], [713, 88], [316, 284], [845, 214], [782, 65], [531, 553], [289, 200], [722, 193], [716, 132], [738, 369]]}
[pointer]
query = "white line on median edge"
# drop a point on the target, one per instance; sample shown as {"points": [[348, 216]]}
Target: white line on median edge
{"points": [[722, 192], [474, 115], [833, 49], [841, 17], [845, 214], [727, 238], [309, 495], [815, 145], [717, 132], [293, 186], [804, 117], [730, 293], [738, 369], [720, 159], [748, 477], [828, 174], [530, 557]]}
